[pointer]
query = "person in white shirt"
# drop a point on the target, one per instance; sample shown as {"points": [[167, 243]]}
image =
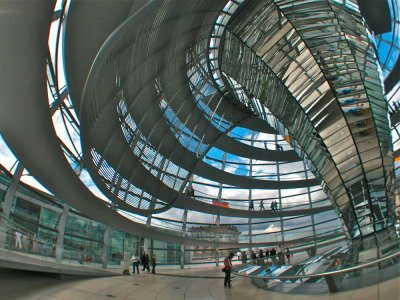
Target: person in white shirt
{"points": [[18, 239], [135, 263]]}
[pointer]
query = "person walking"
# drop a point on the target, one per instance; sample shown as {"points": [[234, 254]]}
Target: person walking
{"points": [[135, 263], [153, 264], [262, 205], [147, 262], [251, 205], [227, 269], [272, 205], [143, 260]]}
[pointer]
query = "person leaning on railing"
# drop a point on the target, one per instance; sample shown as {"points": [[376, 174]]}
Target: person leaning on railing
{"points": [[253, 257]]}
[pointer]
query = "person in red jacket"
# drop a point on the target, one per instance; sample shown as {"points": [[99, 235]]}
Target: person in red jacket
{"points": [[227, 269]]}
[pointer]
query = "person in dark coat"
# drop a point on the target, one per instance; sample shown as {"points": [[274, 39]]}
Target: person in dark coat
{"points": [[244, 257], [153, 264], [253, 257], [288, 255], [143, 260], [147, 262]]}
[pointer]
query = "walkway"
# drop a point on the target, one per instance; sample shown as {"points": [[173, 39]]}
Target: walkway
{"points": [[31, 262], [25, 285]]}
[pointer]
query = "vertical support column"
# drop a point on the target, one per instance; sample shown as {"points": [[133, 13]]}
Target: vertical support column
{"points": [[145, 241], [217, 244], [182, 257], [61, 231], [106, 243], [281, 250], [184, 221], [218, 220], [8, 202], [148, 221], [253, 136], [217, 256], [282, 242], [250, 238], [250, 201], [153, 199], [12, 190], [310, 202], [125, 257]]}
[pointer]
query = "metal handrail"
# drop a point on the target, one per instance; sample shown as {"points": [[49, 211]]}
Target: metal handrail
{"points": [[324, 274]]}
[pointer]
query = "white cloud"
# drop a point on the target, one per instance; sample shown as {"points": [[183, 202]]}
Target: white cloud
{"points": [[88, 181]]}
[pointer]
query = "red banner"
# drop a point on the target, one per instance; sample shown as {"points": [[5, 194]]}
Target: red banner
{"points": [[222, 204]]}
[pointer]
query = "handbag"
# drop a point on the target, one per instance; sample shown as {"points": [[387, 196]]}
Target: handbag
{"points": [[223, 269]]}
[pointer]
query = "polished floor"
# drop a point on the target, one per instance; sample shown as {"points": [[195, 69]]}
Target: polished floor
{"points": [[27, 285]]}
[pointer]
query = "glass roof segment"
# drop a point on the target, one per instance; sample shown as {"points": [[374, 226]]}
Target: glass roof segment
{"points": [[235, 197], [122, 188]]}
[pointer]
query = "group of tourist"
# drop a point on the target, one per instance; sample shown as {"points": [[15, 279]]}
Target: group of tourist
{"points": [[272, 253], [22, 240], [277, 257], [85, 256], [227, 269], [273, 206], [145, 261]]}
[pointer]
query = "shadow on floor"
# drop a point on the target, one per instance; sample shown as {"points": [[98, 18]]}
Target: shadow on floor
{"points": [[19, 284]]}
